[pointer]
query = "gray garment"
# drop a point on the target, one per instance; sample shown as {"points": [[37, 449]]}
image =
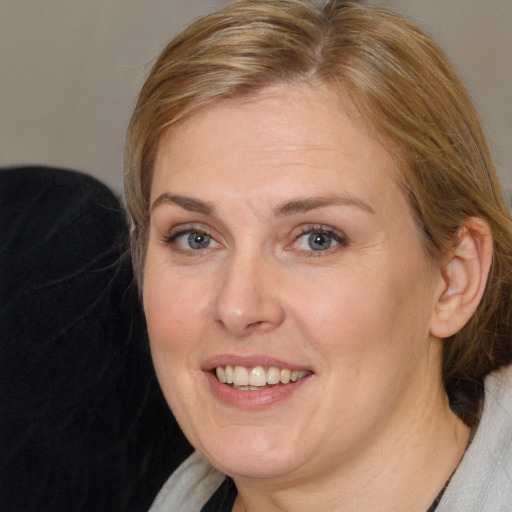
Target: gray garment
{"points": [[189, 487], [482, 482]]}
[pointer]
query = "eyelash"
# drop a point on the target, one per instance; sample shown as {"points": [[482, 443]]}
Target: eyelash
{"points": [[340, 239], [171, 238]]}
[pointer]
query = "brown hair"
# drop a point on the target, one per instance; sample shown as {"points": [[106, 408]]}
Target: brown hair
{"points": [[402, 83]]}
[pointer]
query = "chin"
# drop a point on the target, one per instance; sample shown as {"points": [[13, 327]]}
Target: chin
{"points": [[253, 453]]}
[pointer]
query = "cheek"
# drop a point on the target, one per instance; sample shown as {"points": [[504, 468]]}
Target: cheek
{"points": [[338, 311], [174, 334], [360, 318], [175, 311]]}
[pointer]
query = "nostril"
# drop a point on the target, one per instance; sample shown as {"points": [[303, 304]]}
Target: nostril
{"points": [[255, 325]]}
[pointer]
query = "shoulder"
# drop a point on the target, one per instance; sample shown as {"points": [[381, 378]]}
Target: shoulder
{"points": [[189, 487], [483, 480]]}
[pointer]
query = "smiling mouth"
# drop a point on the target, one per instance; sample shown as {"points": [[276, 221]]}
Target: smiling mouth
{"points": [[257, 378]]}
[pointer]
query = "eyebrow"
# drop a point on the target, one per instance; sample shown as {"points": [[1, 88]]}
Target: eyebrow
{"points": [[190, 204], [293, 207], [303, 205]]}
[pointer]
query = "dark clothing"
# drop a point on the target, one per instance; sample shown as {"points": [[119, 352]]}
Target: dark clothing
{"points": [[84, 426]]}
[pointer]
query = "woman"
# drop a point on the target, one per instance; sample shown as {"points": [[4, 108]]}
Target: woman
{"points": [[324, 256]]}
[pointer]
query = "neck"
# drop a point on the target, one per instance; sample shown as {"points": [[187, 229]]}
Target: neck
{"points": [[403, 470]]}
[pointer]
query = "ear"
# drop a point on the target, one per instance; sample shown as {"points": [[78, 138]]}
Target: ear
{"points": [[463, 278]]}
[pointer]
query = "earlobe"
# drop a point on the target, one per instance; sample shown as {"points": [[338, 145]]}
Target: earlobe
{"points": [[464, 277]]}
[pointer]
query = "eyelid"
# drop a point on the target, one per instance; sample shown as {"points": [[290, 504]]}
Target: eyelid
{"points": [[339, 236], [182, 229], [170, 238]]}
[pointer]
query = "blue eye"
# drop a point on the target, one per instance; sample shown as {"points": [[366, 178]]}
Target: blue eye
{"points": [[198, 240], [319, 240], [191, 241]]}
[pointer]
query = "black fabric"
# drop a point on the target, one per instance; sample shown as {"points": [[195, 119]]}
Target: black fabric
{"points": [[223, 499], [84, 426]]}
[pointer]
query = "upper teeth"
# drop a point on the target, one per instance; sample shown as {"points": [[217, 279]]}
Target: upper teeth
{"points": [[257, 376]]}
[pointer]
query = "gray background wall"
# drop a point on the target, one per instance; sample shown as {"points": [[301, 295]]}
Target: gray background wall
{"points": [[70, 71]]}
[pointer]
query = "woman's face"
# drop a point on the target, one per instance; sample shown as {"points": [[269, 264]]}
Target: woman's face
{"points": [[282, 249]]}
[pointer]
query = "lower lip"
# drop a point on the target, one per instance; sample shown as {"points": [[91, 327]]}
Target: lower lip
{"points": [[257, 399]]}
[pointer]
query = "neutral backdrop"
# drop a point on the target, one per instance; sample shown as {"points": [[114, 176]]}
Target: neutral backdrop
{"points": [[70, 71]]}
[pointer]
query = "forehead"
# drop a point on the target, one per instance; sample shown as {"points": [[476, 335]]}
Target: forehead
{"points": [[284, 134]]}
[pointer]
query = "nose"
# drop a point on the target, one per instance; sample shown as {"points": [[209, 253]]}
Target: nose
{"points": [[248, 296]]}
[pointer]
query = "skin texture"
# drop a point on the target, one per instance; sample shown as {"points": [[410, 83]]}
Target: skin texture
{"points": [[370, 428]]}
